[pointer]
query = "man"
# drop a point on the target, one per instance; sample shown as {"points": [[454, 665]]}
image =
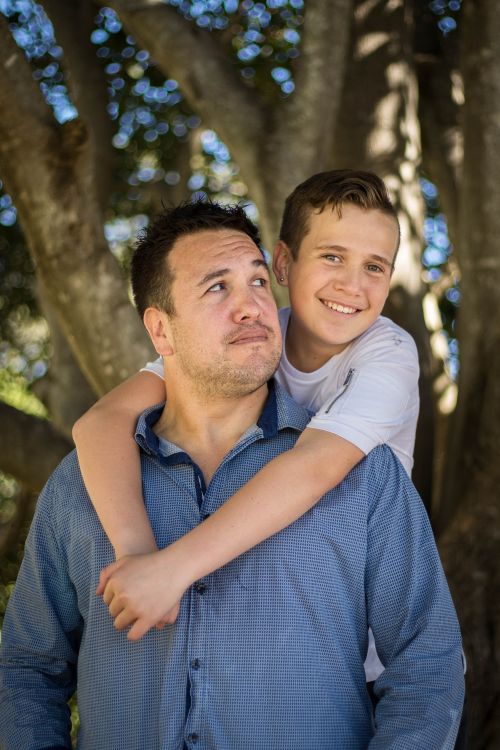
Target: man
{"points": [[268, 651]]}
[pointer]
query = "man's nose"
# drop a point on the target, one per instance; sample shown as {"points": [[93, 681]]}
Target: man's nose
{"points": [[246, 306]]}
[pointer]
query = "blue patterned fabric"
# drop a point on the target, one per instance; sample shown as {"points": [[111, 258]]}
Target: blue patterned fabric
{"points": [[268, 650]]}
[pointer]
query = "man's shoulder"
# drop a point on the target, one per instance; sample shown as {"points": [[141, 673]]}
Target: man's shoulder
{"points": [[379, 470], [290, 412], [64, 487]]}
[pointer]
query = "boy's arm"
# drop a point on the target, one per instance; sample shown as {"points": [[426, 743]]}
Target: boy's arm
{"points": [[110, 464], [140, 590], [420, 693]]}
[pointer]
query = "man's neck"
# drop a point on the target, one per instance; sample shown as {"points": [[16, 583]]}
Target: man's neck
{"points": [[208, 427]]}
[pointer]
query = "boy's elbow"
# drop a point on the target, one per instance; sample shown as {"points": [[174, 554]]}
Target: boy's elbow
{"points": [[85, 424]]}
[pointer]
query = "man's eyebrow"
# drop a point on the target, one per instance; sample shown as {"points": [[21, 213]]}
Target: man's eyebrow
{"points": [[213, 275], [372, 256], [258, 263]]}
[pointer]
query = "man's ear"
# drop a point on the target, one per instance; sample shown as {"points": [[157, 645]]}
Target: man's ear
{"points": [[158, 327], [281, 261]]}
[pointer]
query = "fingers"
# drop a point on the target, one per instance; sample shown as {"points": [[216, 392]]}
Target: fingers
{"points": [[138, 629], [105, 575]]}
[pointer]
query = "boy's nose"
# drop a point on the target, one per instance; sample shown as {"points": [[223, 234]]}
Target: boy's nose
{"points": [[348, 279]]}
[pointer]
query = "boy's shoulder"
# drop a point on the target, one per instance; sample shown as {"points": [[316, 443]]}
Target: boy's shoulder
{"points": [[385, 336]]}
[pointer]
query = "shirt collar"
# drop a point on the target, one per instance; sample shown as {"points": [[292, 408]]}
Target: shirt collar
{"points": [[280, 412]]}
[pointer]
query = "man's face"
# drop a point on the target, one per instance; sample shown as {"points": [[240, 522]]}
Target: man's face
{"points": [[340, 281], [225, 331]]}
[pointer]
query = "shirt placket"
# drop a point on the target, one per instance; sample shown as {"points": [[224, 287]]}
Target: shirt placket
{"points": [[197, 651]]}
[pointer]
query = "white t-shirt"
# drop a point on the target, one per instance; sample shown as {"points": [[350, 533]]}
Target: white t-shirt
{"points": [[367, 394]]}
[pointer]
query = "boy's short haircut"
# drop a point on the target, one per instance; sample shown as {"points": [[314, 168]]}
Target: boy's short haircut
{"points": [[151, 275], [333, 190]]}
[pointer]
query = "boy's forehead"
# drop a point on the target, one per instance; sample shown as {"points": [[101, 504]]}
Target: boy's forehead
{"points": [[352, 221]]}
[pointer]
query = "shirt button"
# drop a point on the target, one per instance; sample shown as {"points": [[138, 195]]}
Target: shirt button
{"points": [[195, 663], [200, 588], [193, 737]]}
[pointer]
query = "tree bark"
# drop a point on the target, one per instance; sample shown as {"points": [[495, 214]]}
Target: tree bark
{"points": [[275, 145], [31, 447], [440, 89], [378, 130], [48, 169], [471, 547], [63, 390], [73, 24]]}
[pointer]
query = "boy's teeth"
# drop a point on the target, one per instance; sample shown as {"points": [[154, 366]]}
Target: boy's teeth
{"points": [[340, 308]]}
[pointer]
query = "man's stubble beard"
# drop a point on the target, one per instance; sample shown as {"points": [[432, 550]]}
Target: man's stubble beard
{"points": [[225, 378]]}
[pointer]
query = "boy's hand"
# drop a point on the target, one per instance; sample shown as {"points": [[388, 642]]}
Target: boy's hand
{"points": [[142, 591]]}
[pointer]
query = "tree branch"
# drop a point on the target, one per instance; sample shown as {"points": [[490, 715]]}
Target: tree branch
{"points": [[210, 84], [311, 111], [440, 105], [73, 24], [49, 173], [30, 111], [300, 140], [31, 447]]}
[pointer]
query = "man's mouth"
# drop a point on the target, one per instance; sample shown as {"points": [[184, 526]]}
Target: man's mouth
{"points": [[345, 309], [251, 335]]}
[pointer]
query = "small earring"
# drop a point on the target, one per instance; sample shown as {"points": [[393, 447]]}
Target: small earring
{"points": [[282, 278]]}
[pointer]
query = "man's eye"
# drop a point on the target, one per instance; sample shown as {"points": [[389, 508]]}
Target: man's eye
{"points": [[216, 287]]}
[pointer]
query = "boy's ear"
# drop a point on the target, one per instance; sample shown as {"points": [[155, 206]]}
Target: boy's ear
{"points": [[282, 258], [158, 327]]}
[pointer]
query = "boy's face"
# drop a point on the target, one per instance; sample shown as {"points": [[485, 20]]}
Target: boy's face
{"points": [[339, 282]]}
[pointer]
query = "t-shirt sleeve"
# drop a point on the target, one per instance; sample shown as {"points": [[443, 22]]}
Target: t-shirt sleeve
{"points": [[155, 367], [379, 393]]}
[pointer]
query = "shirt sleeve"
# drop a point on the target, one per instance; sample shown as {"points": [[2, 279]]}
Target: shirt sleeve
{"points": [[40, 637], [413, 619], [155, 367], [379, 389]]}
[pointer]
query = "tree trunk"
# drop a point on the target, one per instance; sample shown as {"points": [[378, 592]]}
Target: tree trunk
{"points": [[471, 547], [378, 130], [48, 170]]}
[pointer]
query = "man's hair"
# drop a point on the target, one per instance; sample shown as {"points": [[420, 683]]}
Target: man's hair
{"points": [[331, 190], [151, 275]]}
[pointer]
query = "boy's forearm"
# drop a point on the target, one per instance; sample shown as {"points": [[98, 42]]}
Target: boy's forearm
{"points": [[111, 470], [280, 493]]}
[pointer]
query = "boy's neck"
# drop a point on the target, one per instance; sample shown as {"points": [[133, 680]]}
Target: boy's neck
{"points": [[302, 352]]}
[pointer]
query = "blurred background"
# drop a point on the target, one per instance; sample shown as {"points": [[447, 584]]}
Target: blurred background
{"points": [[109, 111]]}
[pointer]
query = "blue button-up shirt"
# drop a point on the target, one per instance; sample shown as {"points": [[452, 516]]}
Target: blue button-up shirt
{"points": [[267, 652]]}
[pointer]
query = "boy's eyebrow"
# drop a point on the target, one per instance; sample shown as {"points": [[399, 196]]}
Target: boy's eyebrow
{"points": [[257, 263], [372, 256], [381, 259]]}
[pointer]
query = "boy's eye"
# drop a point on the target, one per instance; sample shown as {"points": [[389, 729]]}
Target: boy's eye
{"points": [[375, 268], [334, 258], [259, 282]]}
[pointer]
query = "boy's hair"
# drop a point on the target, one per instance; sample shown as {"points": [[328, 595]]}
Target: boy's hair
{"points": [[151, 275], [331, 189]]}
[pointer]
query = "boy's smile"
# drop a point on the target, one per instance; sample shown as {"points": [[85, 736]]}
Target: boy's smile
{"points": [[339, 282]]}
